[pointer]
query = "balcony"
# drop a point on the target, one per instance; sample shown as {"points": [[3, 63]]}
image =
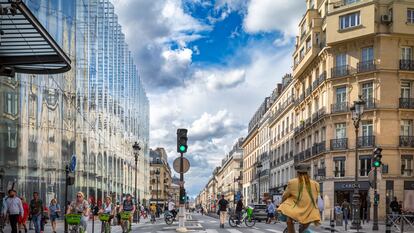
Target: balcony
{"points": [[322, 172], [308, 153], [366, 66], [406, 64], [407, 141], [366, 141], [318, 148], [308, 122], [339, 144], [308, 91], [339, 107], [322, 77], [407, 103], [340, 71], [315, 84]]}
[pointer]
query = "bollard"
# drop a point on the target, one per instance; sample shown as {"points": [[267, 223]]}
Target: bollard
{"points": [[332, 223], [402, 223], [388, 227]]}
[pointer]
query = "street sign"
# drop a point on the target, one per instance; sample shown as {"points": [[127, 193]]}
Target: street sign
{"points": [[72, 165], [186, 165]]}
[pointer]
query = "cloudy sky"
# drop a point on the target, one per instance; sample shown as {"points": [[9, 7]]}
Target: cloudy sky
{"points": [[207, 65]]}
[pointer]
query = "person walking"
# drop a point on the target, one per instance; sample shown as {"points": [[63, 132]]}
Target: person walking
{"points": [[270, 211], [394, 206], [36, 209], [54, 212], [299, 201], [13, 207], [222, 204], [23, 219], [346, 210]]}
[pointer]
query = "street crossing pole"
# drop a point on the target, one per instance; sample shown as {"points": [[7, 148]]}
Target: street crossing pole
{"points": [[181, 217], [376, 200]]}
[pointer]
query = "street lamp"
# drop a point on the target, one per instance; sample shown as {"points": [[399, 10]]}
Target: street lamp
{"points": [[259, 169], [157, 173], [357, 111], [136, 149]]}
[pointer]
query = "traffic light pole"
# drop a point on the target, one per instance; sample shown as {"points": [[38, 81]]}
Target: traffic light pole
{"points": [[376, 200], [181, 216], [66, 195]]}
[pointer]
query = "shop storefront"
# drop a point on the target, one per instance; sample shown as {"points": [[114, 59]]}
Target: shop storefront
{"points": [[345, 190], [408, 204]]}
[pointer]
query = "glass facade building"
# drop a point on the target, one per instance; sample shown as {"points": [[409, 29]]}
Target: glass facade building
{"points": [[96, 111]]}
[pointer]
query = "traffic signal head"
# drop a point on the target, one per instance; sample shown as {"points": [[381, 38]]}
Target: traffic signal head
{"points": [[182, 196], [182, 140], [377, 157]]}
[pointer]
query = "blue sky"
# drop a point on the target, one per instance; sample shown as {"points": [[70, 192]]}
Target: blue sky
{"points": [[207, 65]]}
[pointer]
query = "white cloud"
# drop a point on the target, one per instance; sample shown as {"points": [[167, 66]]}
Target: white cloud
{"points": [[271, 15], [221, 79]]}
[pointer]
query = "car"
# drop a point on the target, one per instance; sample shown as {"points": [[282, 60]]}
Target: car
{"points": [[259, 212]]}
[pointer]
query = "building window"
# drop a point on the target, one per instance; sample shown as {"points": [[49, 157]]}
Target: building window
{"points": [[349, 20], [406, 53], [302, 53], [340, 60], [340, 130], [406, 127], [364, 165], [367, 128], [405, 89], [11, 137], [339, 166], [367, 54], [367, 91], [347, 2], [340, 95], [11, 104], [410, 15], [308, 44], [406, 165]]}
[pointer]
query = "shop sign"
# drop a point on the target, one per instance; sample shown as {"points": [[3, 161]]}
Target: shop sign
{"points": [[350, 185]]}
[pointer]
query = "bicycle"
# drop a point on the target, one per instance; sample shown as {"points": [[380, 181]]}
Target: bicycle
{"points": [[73, 221], [169, 217], [126, 222], [247, 217], [105, 219]]}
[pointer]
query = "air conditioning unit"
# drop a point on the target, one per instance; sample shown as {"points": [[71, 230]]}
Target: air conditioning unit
{"points": [[386, 19]]}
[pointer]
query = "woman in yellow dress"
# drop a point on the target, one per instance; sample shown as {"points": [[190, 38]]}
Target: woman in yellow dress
{"points": [[300, 200]]}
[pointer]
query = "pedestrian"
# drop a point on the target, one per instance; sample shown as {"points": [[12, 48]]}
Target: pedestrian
{"points": [[2, 206], [394, 206], [44, 218], [23, 219], [54, 213], [346, 207], [239, 209], [36, 209], [13, 208], [299, 201], [223, 203], [270, 211]]}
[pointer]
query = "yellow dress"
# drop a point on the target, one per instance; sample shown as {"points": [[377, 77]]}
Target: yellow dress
{"points": [[304, 211]]}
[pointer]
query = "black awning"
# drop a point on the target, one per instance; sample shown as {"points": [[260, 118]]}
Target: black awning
{"points": [[25, 45]]}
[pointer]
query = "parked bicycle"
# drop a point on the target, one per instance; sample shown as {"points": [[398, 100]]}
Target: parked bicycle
{"points": [[247, 217], [73, 221]]}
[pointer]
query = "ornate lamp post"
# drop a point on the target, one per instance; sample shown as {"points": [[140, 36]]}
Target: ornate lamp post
{"points": [[136, 149], [157, 174], [259, 170], [357, 111]]}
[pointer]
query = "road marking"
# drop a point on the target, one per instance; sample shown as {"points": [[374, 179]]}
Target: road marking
{"points": [[201, 221], [234, 231], [213, 221], [211, 231], [273, 230]]}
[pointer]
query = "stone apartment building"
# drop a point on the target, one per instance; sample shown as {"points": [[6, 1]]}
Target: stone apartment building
{"points": [[161, 181], [348, 49]]}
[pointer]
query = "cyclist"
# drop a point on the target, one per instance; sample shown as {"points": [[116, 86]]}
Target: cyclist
{"points": [[239, 209], [107, 208], [128, 206], [171, 208], [80, 206]]}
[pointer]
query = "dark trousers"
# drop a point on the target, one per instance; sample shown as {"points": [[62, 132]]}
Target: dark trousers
{"points": [[13, 222]]}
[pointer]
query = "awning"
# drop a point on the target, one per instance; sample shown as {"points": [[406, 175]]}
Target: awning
{"points": [[25, 45]]}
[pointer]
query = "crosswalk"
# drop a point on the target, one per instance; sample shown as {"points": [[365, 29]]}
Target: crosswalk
{"points": [[233, 230]]}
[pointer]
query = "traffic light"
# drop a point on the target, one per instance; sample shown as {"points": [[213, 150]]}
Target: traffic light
{"points": [[182, 140], [182, 196], [377, 157]]}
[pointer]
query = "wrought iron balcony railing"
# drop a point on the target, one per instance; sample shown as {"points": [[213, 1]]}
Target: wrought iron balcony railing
{"points": [[407, 103], [339, 107], [406, 64], [340, 71], [366, 141], [407, 141], [366, 66], [339, 144]]}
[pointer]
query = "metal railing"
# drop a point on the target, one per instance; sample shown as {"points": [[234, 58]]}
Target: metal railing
{"points": [[340, 71], [407, 103], [401, 222], [366, 141], [339, 107], [407, 141], [406, 64], [339, 144], [366, 66]]}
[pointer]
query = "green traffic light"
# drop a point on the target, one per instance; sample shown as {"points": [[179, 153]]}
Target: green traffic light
{"points": [[377, 163], [182, 148]]}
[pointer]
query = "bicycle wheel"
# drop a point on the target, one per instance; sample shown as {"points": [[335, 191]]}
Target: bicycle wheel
{"points": [[250, 222], [125, 226], [232, 221], [169, 220], [286, 230], [107, 227]]}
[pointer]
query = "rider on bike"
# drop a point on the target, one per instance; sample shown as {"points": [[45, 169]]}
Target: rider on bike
{"points": [[171, 208], [80, 206], [129, 206], [107, 208], [239, 209]]}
